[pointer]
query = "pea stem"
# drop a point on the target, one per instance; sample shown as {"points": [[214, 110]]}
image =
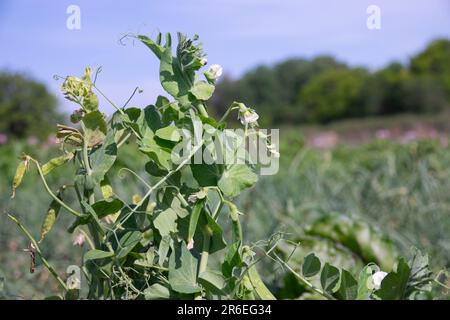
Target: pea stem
{"points": [[39, 252]]}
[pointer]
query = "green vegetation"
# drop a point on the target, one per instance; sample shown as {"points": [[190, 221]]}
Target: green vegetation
{"points": [[341, 223], [323, 89], [27, 109]]}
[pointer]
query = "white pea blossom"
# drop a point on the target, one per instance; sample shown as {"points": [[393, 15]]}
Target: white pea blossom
{"points": [[204, 61], [190, 244], [248, 117], [377, 278], [273, 150], [214, 72], [79, 239]]}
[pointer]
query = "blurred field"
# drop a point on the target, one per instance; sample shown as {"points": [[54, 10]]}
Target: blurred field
{"points": [[399, 190]]}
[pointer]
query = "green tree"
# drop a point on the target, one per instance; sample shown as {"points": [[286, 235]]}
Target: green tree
{"points": [[26, 107], [333, 95], [434, 61]]}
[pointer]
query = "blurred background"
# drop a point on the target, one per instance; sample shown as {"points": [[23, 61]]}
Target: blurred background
{"points": [[359, 89]]}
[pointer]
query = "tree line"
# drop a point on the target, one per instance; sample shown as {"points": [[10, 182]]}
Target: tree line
{"points": [[324, 89]]}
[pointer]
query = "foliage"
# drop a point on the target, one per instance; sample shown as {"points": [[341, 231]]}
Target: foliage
{"points": [[26, 107], [159, 244], [323, 89]]}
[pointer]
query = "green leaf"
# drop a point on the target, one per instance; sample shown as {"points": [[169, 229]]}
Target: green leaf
{"points": [[154, 46], [183, 271], [172, 78], [104, 208], [365, 285], [158, 150], [97, 254], [170, 133], [349, 287], [127, 242], [393, 286], [95, 125], [237, 178], [206, 174], [166, 222], [232, 259], [156, 291], [311, 265], [103, 158], [213, 281], [202, 90], [217, 242], [329, 277]]}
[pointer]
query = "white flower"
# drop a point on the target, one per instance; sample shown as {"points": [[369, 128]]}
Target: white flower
{"points": [[248, 117], [204, 61], [190, 244], [273, 150], [377, 278], [79, 239], [214, 72]]}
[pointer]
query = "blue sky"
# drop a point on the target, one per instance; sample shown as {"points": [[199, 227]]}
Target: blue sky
{"points": [[238, 34]]}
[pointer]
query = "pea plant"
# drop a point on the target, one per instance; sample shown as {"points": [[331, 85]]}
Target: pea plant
{"points": [[160, 245], [182, 238]]}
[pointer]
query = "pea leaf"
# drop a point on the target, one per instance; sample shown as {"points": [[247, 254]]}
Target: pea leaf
{"points": [[97, 254], [311, 265], [206, 174], [394, 285], [329, 277], [237, 178], [156, 291], [213, 280], [349, 287], [202, 90], [166, 222], [103, 158], [170, 133], [183, 271], [95, 125], [104, 208]]}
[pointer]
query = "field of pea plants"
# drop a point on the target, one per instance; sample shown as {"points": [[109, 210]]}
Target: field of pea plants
{"points": [[122, 208]]}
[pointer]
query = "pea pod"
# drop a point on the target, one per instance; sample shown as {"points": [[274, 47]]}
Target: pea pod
{"points": [[20, 172], [56, 162], [259, 287], [52, 214]]}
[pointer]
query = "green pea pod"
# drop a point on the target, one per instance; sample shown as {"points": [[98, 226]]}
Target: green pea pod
{"points": [[236, 228], [20, 172], [56, 162], [194, 219], [259, 287], [52, 214]]}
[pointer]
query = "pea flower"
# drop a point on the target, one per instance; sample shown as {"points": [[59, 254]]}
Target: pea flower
{"points": [[79, 239], [377, 278], [249, 116], [190, 244], [273, 150], [214, 72]]}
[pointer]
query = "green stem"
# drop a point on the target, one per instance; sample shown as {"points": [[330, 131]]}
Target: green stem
{"points": [[227, 113], [39, 252], [163, 180], [205, 250], [47, 188], [202, 110], [306, 282]]}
